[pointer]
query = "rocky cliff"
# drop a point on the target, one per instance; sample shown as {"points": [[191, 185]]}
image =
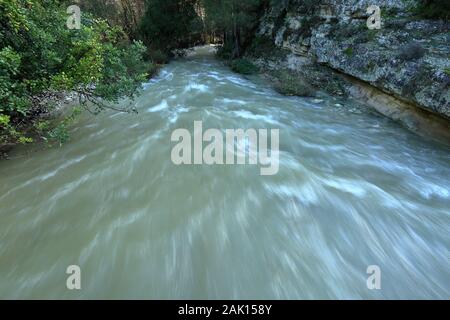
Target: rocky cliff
{"points": [[408, 58]]}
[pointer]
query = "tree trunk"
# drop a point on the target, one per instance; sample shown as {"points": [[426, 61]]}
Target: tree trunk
{"points": [[236, 40]]}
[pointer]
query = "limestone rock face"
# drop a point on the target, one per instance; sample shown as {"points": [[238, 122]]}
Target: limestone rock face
{"points": [[407, 58]]}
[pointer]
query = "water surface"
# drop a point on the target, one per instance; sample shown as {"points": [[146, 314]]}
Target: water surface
{"points": [[354, 189]]}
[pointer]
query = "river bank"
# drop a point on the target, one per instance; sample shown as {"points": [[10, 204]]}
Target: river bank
{"points": [[402, 69], [309, 80]]}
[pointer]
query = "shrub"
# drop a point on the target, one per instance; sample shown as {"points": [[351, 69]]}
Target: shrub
{"points": [[308, 23], [157, 56], [348, 52], [411, 51], [244, 66], [225, 51], [421, 78], [288, 83], [433, 9], [264, 47], [365, 36], [39, 55], [341, 31], [170, 24]]}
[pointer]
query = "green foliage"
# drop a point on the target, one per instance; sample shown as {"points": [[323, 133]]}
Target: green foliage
{"points": [[59, 134], [235, 20], [371, 66], [421, 78], [433, 9], [264, 47], [100, 8], [308, 23], [348, 52], [289, 83], [411, 51], [226, 51], [365, 36], [11, 92], [123, 13], [170, 24], [39, 54], [390, 12], [4, 120], [308, 6], [157, 56], [243, 66]]}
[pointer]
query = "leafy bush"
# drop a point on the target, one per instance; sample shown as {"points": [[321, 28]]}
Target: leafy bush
{"points": [[289, 83], [170, 24], [39, 54], [421, 78], [225, 51], [235, 21], [433, 9], [411, 51], [263, 47], [243, 66], [365, 36], [158, 57], [309, 22], [348, 52]]}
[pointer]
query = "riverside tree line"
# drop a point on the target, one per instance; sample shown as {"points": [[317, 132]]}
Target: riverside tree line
{"points": [[119, 45]]}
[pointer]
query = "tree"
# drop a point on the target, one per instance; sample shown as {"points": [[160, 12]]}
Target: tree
{"points": [[39, 55], [235, 19], [124, 13], [434, 9], [170, 24]]}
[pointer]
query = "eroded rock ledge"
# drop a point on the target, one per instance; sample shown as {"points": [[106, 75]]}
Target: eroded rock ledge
{"points": [[407, 59]]}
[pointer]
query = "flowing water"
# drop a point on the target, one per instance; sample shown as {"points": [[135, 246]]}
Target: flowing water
{"points": [[354, 189]]}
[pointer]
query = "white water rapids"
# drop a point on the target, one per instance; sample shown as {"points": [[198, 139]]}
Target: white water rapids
{"points": [[354, 189]]}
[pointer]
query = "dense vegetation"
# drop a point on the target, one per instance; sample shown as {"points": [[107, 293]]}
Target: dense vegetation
{"points": [[434, 9], [236, 20], [179, 24], [169, 25], [103, 61], [124, 13], [40, 56]]}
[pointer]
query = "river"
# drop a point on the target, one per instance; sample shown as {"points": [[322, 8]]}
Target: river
{"points": [[354, 189]]}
